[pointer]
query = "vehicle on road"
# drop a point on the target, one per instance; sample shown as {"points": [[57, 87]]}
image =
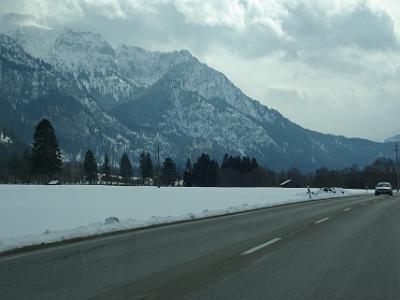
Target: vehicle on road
{"points": [[383, 188]]}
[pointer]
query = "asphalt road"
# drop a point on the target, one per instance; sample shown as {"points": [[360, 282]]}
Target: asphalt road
{"points": [[346, 248]]}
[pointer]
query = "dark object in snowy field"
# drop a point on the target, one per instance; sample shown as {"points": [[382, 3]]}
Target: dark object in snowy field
{"points": [[111, 220]]}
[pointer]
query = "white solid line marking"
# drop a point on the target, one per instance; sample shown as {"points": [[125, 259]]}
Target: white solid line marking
{"points": [[321, 220], [347, 209], [259, 247]]}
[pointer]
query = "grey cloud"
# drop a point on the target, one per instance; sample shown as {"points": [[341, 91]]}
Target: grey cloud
{"points": [[367, 30], [248, 28], [361, 27]]}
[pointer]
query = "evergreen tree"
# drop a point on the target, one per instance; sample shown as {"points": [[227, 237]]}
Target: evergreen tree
{"points": [[225, 161], [125, 170], [46, 155], [90, 167], [241, 171], [205, 171], [106, 169], [246, 165], [168, 172], [254, 164], [142, 166], [149, 164], [188, 174], [237, 163], [145, 166]]}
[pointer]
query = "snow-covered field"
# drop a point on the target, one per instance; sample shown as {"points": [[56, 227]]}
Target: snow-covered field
{"points": [[32, 214]]}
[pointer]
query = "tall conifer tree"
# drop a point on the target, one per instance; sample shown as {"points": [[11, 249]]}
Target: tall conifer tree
{"points": [[145, 166], [90, 167], [168, 172], [188, 174], [205, 171], [106, 169], [125, 170], [46, 155]]}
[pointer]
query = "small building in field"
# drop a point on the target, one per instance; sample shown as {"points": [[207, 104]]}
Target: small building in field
{"points": [[54, 182], [290, 183]]}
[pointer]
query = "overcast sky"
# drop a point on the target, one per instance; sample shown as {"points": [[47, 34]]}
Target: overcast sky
{"points": [[328, 65]]}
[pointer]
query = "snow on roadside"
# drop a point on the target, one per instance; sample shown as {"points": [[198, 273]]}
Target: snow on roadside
{"points": [[31, 215]]}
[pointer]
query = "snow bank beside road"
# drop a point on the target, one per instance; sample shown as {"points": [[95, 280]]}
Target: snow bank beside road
{"points": [[32, 215]]}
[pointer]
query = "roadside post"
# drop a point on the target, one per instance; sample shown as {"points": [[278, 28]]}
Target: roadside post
{"points": [[309, 192]]}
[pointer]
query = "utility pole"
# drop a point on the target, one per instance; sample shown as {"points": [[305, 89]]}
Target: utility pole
{"points": [[396, 149]]}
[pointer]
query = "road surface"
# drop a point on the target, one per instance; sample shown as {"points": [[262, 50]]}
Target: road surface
{"points": [[345, 248]]}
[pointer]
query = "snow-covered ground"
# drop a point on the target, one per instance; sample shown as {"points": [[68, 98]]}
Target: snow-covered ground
{"points": [[32, 214]]}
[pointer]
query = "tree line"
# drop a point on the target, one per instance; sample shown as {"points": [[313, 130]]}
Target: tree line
{"points": [[44, 162]]}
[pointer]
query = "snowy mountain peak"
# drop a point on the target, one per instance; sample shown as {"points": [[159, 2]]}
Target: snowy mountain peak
{"points": [[77, 49], [83, 41], [35, 41]]}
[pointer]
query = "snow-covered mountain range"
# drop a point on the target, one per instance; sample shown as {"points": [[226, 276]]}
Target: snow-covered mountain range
{"points": [[128, 99]]}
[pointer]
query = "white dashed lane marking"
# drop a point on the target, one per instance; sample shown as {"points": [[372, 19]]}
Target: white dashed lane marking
{"points": [[321, 220], [259, 247]]}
